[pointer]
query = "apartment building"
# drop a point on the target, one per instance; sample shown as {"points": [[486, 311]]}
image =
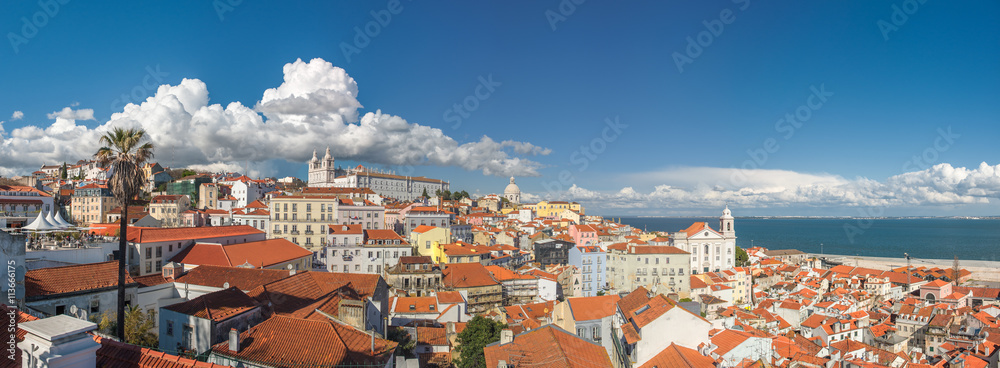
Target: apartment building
{"points": [[303, 219], [656, 267], [91, 203]]}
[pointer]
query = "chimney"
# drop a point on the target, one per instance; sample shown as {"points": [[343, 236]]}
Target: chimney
{"points": [[506, 336], [502, 364], [234, 340], [59, 341]]}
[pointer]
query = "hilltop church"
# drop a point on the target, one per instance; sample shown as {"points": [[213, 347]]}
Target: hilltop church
{"points": [[711, 250], [323, 173]]}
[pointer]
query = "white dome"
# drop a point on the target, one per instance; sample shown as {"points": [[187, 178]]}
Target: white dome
{"points": [[726, 213], [512, 188]]}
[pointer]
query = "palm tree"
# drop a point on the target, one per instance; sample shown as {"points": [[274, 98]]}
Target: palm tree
{"points": [[123, 153]]}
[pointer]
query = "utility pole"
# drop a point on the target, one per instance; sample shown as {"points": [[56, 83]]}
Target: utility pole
{"points": [[907, 256]]}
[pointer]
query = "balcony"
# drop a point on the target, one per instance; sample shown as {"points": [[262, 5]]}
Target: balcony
{"points": [[276, 232], [309, 232], [294, 232]]}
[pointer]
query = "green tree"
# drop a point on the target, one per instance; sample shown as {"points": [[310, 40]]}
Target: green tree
{"points": [[124, 151], [742, 259], [477, 334], [600, 293], [62, 171], [405, 341], [425, 195], [139, 325], [187, 173]]}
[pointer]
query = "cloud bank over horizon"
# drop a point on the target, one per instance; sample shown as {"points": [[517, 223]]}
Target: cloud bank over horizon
{"points": [[316, 106], [687, 188]]}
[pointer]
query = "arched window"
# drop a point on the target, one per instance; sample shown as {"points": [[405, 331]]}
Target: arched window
{"points": [[729, 226], [706, 248]]}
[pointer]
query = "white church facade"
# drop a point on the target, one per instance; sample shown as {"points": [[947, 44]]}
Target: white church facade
{"points": [[323, 173], [711, 250]]}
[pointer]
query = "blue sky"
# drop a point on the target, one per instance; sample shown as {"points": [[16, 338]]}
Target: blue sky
{"points": [[560, 78]]}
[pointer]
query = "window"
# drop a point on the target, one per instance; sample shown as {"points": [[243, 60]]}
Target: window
{"points": [[706, 248], [657, 261], [334, 267], [149, 266], [159, 251], [170, 248], [170, 328], [149, 253], [159, 265]]}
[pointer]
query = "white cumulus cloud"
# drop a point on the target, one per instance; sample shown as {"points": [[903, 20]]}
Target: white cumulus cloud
{"points": [[17, 115], [701, 187], [316, 106], [68, 113]]}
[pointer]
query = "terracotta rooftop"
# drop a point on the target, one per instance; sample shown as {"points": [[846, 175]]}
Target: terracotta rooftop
{"points": [[434, 336], [548, 346], [65, 279], [217, 306], [243, 278], [151, 235], [464, 275], [345, 229], [263, 253], [415, 304], [291, 342], [423, 229], [728, 340], [634, 300], [450, 297], [593, 307], [679, 356], [114, 354]]}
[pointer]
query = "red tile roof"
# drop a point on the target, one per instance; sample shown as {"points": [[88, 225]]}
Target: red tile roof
{"points": [[465, 275], [548, 346], [435, 336], [679, 356], [65, 279], [114, 354], [291, 342], [242, 278], [450, 297], [423, 229], [263, 253], [593, 307], [634, 300], [150, 235], [728, 340], [217, 306], [355, 229], [416, 304]]}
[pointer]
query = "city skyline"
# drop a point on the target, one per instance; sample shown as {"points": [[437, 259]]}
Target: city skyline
{"points": [[844, 109]]}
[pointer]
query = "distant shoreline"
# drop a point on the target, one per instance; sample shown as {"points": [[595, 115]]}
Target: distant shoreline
{"points": [[981, 270], [825, 217]]}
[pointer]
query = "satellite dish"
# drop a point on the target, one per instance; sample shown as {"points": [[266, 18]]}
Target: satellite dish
{"points": [[73, 309], [83, 315], [225, 285]]}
